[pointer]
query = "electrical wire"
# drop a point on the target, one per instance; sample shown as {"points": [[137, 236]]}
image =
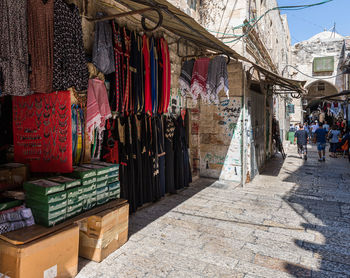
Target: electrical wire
{"points": [[256, 20], [317, 78]]}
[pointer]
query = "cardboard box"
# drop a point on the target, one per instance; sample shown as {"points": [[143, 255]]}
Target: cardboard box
{"points": [[55, 255], [12, 175], [102, 234]]}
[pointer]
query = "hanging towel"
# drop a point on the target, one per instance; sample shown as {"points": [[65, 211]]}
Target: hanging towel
{"points": [[199, 78], [217, 79], [98, 110], [186, 77], [103, 51]]}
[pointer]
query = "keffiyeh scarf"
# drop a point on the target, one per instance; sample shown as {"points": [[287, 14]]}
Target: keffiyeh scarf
{"points": [[186, 77], [217, 79], [98, 110], [199, 78]]}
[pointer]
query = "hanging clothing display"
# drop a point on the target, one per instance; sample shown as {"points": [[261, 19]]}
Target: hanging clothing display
{"points": [[217, 79], [69, 65], [42, 128], [98, 110], [169, 155], [40, 44], [147, 80], [186, 77], [103, 51], [166, 70], [13, 48], [199, 78]]}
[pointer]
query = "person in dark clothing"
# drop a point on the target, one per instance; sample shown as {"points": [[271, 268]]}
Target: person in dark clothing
{"points": [[301, 136], [320, 139]]}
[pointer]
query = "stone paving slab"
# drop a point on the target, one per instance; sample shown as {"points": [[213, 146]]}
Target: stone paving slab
{"points": [[293, 220]]}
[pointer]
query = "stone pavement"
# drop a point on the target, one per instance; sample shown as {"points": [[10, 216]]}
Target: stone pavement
{"points": [[291, 221]]}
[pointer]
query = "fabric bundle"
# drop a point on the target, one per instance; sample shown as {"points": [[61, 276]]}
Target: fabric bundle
{"points": [[42, 129], [13, 48], [69, 65], [98, 110], [186, 77], [103, 52], [15, 218], [40, 44], [199, 78], [217, 79]]}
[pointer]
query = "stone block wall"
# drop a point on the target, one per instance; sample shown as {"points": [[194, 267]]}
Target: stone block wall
{"points": [[220, 131]]}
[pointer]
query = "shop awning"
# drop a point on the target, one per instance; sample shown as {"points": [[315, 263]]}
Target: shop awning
{"points": [[186, 27], [343, 93]]}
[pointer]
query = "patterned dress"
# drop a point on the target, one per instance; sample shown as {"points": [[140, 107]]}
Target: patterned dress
{"points": [[69, 68], [13, 48]]}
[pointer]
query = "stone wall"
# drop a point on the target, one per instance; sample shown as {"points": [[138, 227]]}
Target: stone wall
{"points": [[220, 131]]}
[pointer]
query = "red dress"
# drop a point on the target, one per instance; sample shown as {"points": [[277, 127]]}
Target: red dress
{"points": [[166, 75], [146, 61]]}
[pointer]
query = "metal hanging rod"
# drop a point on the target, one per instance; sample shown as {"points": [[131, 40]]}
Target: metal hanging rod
{"points": [[121, 15]]}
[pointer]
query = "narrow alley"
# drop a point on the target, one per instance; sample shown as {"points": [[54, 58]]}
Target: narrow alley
{"points": [[292, 221]]}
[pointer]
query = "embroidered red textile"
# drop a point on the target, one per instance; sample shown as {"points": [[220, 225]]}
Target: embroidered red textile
{"points": [[42, 129], [146, 58]]}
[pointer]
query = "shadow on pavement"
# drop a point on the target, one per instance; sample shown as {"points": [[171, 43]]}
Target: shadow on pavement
{"points": [[322, 198]]}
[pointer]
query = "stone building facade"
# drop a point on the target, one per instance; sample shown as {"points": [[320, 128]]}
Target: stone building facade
{"points": [[235, 146], [319, 61]]}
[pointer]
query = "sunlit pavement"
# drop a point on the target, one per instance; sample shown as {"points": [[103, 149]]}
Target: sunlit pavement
{"points": [[291, 221]]}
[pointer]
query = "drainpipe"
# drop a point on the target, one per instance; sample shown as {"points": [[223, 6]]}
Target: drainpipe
{"points": [[244, 133]]}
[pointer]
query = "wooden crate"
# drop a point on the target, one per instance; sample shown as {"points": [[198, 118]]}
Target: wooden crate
{"points": [[103, 233]]}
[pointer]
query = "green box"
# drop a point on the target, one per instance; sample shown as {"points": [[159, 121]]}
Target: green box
{"points": [[102, 190], [89, 187], [82, 173], [102, 184], [114, 194], [75, 206], [47, 207], [50, 222], [74, 200], [7, 203], [114, 174], [114, 186], [43, 187], [113, 179], [48, 199], [102, 201], [68, 182], [74, 213], [88, 181], [111, 166], [102, 177], [75, 192], [48, 215], [100, 170], [102, 195]]}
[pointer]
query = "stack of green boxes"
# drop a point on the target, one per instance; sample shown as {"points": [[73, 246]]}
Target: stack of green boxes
{"points": [[47, 200], [83, 198], [74, 195], [54, 199], [102, 194]]}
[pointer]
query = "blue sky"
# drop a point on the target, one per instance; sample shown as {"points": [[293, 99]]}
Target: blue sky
{"points": [[305, 23]]}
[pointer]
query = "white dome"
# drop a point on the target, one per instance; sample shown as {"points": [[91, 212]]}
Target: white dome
{"points": [[326, 35]]}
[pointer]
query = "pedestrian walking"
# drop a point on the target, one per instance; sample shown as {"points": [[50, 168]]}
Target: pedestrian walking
{"points": [[326, 126], [320, 140], [314, 127], [301, 136], [333, 137]]}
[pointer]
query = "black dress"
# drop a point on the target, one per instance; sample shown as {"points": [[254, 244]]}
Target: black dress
{"points": [[161, 155], [169, 156]]}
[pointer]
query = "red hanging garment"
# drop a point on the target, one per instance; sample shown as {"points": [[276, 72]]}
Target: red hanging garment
{"points": [[147, 65], [166, 74], [42, 129]]}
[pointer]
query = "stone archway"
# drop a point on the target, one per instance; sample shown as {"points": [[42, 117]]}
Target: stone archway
{"points": [[316, 90]]}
